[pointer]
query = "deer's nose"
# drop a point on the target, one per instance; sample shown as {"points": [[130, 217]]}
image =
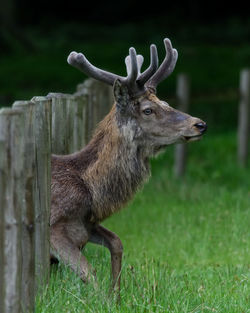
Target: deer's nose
{"points": [[201, 126]]}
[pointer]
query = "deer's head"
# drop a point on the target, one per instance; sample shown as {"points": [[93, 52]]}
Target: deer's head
{"points": [[140, 113]]}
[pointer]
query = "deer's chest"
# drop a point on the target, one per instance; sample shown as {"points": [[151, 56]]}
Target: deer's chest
{"points": [[117, 188]]}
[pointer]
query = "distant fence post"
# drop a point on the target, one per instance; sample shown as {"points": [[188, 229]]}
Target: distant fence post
{"points": [[183, 100], [244, 117]]}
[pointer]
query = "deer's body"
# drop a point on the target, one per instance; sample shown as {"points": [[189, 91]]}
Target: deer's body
{"points": [[101, 178], [90, 185]]}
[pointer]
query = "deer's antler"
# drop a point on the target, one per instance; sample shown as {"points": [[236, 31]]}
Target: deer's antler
{"points": [[79, 61], [166, 68], [152, 67], [135, 80]]}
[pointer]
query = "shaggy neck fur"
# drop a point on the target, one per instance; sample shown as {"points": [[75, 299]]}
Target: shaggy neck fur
{"points": [[120, 168]]}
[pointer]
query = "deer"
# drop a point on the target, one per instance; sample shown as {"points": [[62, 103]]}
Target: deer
{"points": [[90, 185]]}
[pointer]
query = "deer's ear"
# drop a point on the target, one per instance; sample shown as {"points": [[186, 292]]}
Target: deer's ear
{"points": [[121, 95]]}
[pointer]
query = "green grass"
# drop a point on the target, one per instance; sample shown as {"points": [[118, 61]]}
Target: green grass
{"points": [[186, 242]]}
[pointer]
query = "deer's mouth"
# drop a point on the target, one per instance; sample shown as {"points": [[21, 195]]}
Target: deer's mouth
{"points": [[192, 138]]}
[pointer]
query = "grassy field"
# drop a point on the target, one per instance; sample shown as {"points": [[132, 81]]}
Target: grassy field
{"points": [[186, 242]]}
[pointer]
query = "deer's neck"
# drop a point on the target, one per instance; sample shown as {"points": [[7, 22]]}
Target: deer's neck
{"points": [[118, 171]]}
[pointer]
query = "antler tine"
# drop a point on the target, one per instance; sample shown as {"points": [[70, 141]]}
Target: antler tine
{"points": [[172, 65], [79, 61], [140, 60], [133, 72], [152, 67], [167, 66]]}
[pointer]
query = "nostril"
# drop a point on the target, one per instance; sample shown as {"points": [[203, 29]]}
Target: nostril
{"points": [[201, 126]]}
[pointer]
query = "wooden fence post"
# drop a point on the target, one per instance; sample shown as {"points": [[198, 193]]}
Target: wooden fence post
{"points": [[27, 210], [100, 100], [70, 117], [183, 96], [244, 117], [59, 123], [68, 121], [2, 204], [80, 120], [11, 180], [42, 132]]}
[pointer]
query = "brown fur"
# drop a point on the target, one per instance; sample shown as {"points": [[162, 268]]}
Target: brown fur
{"points": [[113, 178], [90, 185]]}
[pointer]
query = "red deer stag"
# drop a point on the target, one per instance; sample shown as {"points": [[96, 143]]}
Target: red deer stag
{"points": [[90, 185]]}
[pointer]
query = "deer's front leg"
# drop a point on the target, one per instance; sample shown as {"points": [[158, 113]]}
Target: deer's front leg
{"points": [[64, 244], [105, 237]]}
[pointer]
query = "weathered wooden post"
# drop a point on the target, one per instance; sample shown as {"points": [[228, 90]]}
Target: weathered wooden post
{"points": [[70, 117], [183, 96], [42, 132], [67, 122], [80, 109], [11, 186], [99, 103], [59, 123], [2, 204], [244, 118], [27, 209]]}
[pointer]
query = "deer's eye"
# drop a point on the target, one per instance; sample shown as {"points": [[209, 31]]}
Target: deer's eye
{"points": [[148, 111]]}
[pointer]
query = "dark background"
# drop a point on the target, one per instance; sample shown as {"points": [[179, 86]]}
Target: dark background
{"points": [[213, 21], [26, 12]]}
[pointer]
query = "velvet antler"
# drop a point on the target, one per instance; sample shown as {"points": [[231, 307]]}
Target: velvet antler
{"points": [[152, 67], [166, 68], [136, 82]]}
